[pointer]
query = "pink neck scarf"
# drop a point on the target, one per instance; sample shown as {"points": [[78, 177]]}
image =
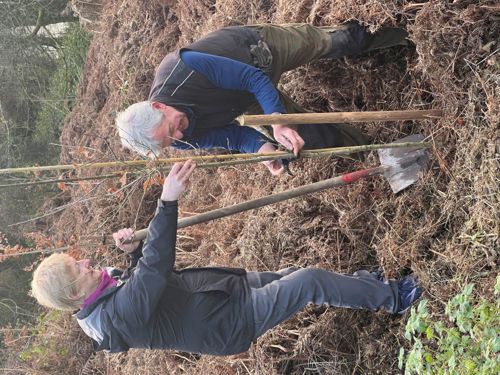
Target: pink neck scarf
{"points": [[106, 282]]}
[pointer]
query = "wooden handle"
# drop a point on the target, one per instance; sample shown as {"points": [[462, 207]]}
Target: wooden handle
{"points": [[337, 117], [344, 179]]}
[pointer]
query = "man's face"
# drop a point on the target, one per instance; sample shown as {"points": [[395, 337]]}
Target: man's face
{"points": [[172, 126], [87, 278]]}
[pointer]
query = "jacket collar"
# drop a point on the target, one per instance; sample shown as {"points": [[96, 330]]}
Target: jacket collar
{"points": [[83, 313], [120, 276]]}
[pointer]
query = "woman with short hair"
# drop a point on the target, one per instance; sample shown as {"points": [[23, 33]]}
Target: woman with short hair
{"points": [[213, 310]]}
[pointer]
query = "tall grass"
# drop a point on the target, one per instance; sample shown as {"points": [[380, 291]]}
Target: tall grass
{"points": [[61, 91]]}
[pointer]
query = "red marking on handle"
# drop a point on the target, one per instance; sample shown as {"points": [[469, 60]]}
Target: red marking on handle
{"points": [[349, 178]]}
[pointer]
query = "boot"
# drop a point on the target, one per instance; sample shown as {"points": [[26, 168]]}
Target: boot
{"points": [[354, 40], [385, 38]]}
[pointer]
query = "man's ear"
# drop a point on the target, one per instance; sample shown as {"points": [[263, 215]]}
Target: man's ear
{"points": [[158, 105]]}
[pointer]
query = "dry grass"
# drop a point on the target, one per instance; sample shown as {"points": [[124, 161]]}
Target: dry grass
{"points": [[445, 227]]}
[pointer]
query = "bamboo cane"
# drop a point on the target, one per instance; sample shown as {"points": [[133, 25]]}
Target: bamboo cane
{"points": [[337, 117], [120, 174], [42, 251], [257, 157], [58, 180]]}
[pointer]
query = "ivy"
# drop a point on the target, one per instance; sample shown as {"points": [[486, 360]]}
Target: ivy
{"points": [[465, 342]]}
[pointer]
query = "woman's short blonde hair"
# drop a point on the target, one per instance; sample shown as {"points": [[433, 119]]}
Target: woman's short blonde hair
{"points": [[54, 285]]}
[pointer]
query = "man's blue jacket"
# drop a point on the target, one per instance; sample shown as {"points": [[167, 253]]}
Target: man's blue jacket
{"points": [[220, 80]]}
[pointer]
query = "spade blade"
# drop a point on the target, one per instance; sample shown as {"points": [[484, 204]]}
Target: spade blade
{"points": [[404, 165]]}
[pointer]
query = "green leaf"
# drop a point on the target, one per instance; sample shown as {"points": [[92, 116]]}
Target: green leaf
{"points": [[422, 307], [468, 289], [440, 328], [421, 326], [452, 362], [469, 364], [496, 345], [428, 358], [401, 358], [429, 333], [485, 312]]}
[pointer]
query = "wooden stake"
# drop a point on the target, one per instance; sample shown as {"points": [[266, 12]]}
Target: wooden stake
{"points": [[337, 117]]}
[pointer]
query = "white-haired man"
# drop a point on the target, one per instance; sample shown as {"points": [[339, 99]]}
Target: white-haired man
{"points": [[199, 90]]}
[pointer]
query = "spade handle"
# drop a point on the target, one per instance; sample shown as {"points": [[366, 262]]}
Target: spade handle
{"points": [[344, 179]]}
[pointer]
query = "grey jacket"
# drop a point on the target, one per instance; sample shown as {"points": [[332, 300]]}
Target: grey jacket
{"points": [[201, 310]]}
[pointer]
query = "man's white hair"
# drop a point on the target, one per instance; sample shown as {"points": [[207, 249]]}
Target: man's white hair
{"points": [[136, 126]]}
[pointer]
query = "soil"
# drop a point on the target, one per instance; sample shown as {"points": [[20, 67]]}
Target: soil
{"points": [[444, 228]]}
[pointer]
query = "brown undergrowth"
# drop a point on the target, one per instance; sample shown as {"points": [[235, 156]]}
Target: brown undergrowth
{"points": [[445, 228]]}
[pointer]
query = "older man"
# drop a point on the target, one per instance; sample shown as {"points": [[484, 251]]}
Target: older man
{"points": [[198, 91]]}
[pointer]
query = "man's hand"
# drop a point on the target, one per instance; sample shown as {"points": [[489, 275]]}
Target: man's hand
{"points": [[176, 181], [275, 166], [289, 138], [126, 234]]}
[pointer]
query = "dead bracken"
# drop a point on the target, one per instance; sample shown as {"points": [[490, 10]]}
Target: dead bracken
{"points": [[445, 227]]}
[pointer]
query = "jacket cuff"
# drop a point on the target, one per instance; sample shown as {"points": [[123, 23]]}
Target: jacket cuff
{"points": [[166, 206], [135, 255]]}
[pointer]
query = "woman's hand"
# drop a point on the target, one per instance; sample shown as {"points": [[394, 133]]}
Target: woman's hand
{"points": [[176, 181], [126, 234]]}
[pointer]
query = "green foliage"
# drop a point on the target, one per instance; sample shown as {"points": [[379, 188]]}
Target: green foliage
{"points": [[16, 306], [61, 91], [37, 93], [27, 143], [40, 351], [53, 345], [467, 345], [38, 347]]}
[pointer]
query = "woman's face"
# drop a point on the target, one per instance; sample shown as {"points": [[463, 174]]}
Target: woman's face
{"points": [[87, 278]]}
